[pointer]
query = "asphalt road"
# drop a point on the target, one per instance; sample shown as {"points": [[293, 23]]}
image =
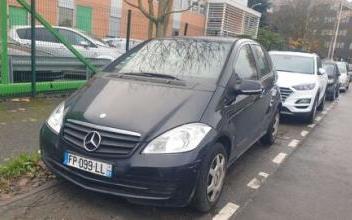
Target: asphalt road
{"points": [[253, 186]]}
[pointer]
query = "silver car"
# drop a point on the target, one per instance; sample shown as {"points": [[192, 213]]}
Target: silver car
{"points": [[88, 46]]}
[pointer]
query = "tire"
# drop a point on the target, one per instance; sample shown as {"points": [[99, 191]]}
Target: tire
{"points": [[322, 104], [312, 114], [203, 199], [270, 137]]}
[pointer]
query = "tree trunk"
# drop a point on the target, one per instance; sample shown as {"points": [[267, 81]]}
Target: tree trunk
{"points": [[150, 23]]}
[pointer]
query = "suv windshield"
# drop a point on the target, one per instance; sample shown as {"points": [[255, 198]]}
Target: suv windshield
{"points": [[292, 63], [329, 68], [342, 67], [180, 58]]}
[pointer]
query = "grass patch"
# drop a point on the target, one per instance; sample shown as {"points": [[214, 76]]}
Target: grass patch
{"points": [[28, 166], [23, 164]]}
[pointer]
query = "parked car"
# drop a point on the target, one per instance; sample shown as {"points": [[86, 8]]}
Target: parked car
{"points": [[88, 46], [302, 82], [164, 121], [350, 71], [344, 78], [120, 43], [333, 89]]}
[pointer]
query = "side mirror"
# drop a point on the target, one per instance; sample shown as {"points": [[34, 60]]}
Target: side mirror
{"points": [[248, 87], [84, 44], [321, 71]]}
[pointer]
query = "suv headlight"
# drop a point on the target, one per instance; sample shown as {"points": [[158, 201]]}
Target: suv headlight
{"points": [[180, 139], [56, 118], [310, 86]]}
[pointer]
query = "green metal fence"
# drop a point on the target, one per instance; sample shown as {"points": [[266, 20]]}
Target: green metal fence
{"points": [[69, 46]]}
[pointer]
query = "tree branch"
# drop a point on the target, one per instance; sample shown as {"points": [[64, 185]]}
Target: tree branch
{"points": [[141, 9]]}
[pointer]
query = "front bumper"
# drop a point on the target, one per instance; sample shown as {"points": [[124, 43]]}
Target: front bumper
{"points": [[290, 105], [161, 180]]}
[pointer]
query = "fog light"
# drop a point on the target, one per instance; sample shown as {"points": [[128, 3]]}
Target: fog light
{"points": [[303, 101]]}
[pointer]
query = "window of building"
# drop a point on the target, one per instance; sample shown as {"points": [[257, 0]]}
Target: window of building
{"points": [[245, 66], [65, 17], [114, 26]]}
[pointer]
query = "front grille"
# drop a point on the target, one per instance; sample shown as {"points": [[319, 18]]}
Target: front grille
{"points": [[113, 141], [285, 93]]}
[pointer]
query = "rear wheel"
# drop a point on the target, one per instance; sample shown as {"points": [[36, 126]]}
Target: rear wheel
{"points": [[211, 179], [269, 138]]}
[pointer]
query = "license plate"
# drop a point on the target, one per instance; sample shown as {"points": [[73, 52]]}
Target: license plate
{"points": [[88, 165]]}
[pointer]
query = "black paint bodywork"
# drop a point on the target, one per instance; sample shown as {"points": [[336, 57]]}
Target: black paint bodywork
{"points": [[151, 108]]}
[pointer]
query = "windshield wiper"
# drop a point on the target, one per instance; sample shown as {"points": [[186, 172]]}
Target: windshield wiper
{"points": [[154, 75]]}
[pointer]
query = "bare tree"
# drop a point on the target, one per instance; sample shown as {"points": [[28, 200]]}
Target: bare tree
{"points": [[158, 18]]}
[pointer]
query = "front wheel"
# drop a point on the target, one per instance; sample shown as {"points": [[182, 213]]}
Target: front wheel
{"points": [[211, 179], [322, 104], [313, 113], [269, 138]]}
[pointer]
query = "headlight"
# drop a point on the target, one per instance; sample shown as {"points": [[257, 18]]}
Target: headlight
{"points": [[305, 86], [331, 81], [180, 139], [56, 118]]}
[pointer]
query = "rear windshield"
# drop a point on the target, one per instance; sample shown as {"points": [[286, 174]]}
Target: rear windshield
{"points": [[292, 63], [178, 57]]}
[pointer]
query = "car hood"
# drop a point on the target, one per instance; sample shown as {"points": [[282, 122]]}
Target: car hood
{"points": [[288, 79], [144, 107]]}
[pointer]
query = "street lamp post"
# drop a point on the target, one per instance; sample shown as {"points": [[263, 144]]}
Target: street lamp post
{"points": [[332, 54]]}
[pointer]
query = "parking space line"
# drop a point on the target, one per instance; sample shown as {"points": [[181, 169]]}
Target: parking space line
{"points": [[254, 183], [311, 125], [279, 158], [294, 143], [324, 112], [318, 118], [304, 133], [265, 175], [226, 212]]}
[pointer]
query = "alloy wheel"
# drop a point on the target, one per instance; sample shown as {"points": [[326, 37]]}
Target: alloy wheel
{"points": [[276, 125], [216, 177]]}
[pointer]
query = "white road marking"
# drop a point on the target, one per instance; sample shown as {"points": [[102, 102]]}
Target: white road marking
{"points": [[254, 183], [324, 112], [265, 175], [294, 143], [226, 212], [311, 125], [279, 158], [304, 133], [318, 118]]}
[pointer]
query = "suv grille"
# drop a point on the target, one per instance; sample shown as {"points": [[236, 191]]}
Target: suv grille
{"points": [[285, 93], [113, 141]]}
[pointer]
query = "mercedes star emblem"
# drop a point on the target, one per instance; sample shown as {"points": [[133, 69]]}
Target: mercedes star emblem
{"points": [[92, 141]]}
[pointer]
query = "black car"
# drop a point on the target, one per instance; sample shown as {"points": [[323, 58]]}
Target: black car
{"points": [[333, 89], [162, 123]]}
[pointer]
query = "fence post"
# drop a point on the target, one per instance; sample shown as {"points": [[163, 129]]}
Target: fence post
{"points": [[4, 49], [185, 30], [128, 34], [33, 52]]}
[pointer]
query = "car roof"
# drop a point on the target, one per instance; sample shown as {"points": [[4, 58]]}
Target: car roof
{"points": [[312, 55], [206, 38]]}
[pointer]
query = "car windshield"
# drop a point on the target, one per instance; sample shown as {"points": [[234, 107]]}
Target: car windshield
{"points": [[180, 58], [342, 67], [292, 63], [329, 68]]}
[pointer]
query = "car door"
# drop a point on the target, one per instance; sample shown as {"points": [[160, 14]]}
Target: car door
{"points": [[243, 110], [323, 78], [266, 101]]}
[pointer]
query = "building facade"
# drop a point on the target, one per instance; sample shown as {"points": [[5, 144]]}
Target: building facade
{"points": [[105, 18], [231, 18]]}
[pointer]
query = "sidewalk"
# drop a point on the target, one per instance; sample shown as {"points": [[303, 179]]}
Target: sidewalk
{"points": [[20, 122], [316, 181]]}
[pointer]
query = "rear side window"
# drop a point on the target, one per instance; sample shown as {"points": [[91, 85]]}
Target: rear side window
{"points": [[263, 63], [42, 34], [245, 66], [72, 37]]}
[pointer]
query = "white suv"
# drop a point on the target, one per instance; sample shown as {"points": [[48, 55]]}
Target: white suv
{"points": [[302, 82], [88, 46]]}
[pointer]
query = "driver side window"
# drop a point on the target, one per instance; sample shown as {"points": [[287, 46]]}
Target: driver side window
{"points": [[245, 66]]}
